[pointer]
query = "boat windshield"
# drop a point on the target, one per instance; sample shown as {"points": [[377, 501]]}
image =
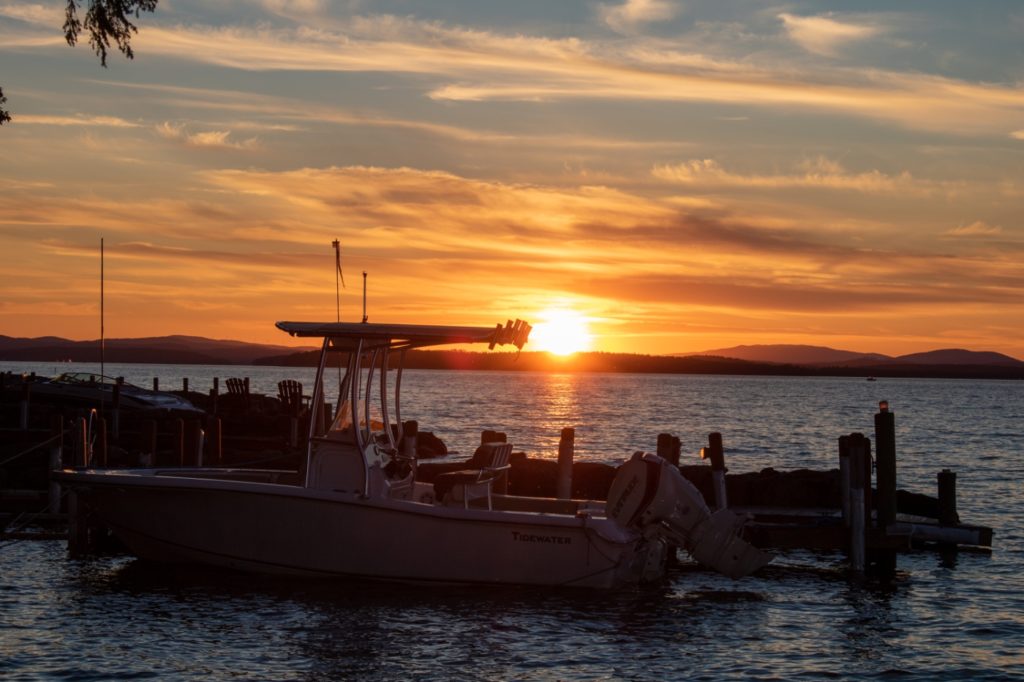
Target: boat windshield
{"points": [[365, 398], [88, 378]]}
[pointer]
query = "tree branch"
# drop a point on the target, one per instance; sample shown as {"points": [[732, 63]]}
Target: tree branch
{"points": [[4, 116], [107, 22]]}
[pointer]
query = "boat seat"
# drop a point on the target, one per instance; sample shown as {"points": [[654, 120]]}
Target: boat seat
{"points": [[473, 484]]}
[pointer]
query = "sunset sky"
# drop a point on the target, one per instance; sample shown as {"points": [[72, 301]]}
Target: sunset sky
{"points": [[682, 175]]}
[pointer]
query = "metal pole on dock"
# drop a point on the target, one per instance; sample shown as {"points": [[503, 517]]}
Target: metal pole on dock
{"points": [[82, 459], [566, 452], [716, 453]]}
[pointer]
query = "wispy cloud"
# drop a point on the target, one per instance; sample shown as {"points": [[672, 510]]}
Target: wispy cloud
{"points": [[976, 229], [50, 15], [825, 35], [80, 120], [479, 65], [819, 173], [631, 14], [217, 139]]}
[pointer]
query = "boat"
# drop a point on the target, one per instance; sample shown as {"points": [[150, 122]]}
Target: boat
{"points": [[91, 389], [355, 509]]}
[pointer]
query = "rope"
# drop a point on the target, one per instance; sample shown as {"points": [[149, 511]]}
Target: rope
{"points": [[31, 449]]}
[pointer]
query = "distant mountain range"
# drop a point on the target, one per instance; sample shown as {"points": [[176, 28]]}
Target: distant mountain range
{"points": [[750, 360], [821, 356], [175, 350]]}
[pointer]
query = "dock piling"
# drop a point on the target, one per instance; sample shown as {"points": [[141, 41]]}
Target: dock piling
{"points": [[947, 498], [115, 411], [566, 452], [716, 454], [860, 462], [844, 477], [885, 484], [669, 448]]}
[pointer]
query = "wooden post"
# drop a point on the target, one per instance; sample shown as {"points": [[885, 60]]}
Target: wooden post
{"points": [[156, 383], [213, 441], [716, 453], [947, 498], [844, 477], [184, 386], [115, 412], [566, 451], [56, 461], [669, 448], [193, 453], [884, 560], [78, 531], [179, 440], [100, 451], [214, 394], [26, 394], [293, 434], [885, 465], [148, 443], [858, 510]]}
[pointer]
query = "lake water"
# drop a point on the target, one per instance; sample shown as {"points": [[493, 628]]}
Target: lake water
{"points": [[944, 617]]}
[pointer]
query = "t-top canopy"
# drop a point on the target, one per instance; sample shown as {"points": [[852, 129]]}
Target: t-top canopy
{"points": [[346, 335]]}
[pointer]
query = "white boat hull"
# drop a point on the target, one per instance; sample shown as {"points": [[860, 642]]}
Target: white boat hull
{"points": [[285, 529]]}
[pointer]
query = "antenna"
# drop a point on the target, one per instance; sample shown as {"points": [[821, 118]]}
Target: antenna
{"points": [[102, 330], [338, 274], [364, 295]]}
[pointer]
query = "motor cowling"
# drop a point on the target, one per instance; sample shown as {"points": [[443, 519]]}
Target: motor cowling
{"points": [[650, 495]]}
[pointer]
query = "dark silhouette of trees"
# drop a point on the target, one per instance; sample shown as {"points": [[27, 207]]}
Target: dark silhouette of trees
{"points": [[4, 116], [107, 23]]}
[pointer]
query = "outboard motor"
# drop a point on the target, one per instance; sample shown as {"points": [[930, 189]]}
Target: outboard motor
{"points": [[650, 495]]}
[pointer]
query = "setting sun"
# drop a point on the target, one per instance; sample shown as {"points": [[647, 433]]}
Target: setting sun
{"points": [[560, 331]]}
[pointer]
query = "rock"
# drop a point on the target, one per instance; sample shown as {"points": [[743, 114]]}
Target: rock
{"points": [[429, 446]]}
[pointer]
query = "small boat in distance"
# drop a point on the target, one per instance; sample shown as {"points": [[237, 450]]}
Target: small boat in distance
{"points": [[355, 509]]}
